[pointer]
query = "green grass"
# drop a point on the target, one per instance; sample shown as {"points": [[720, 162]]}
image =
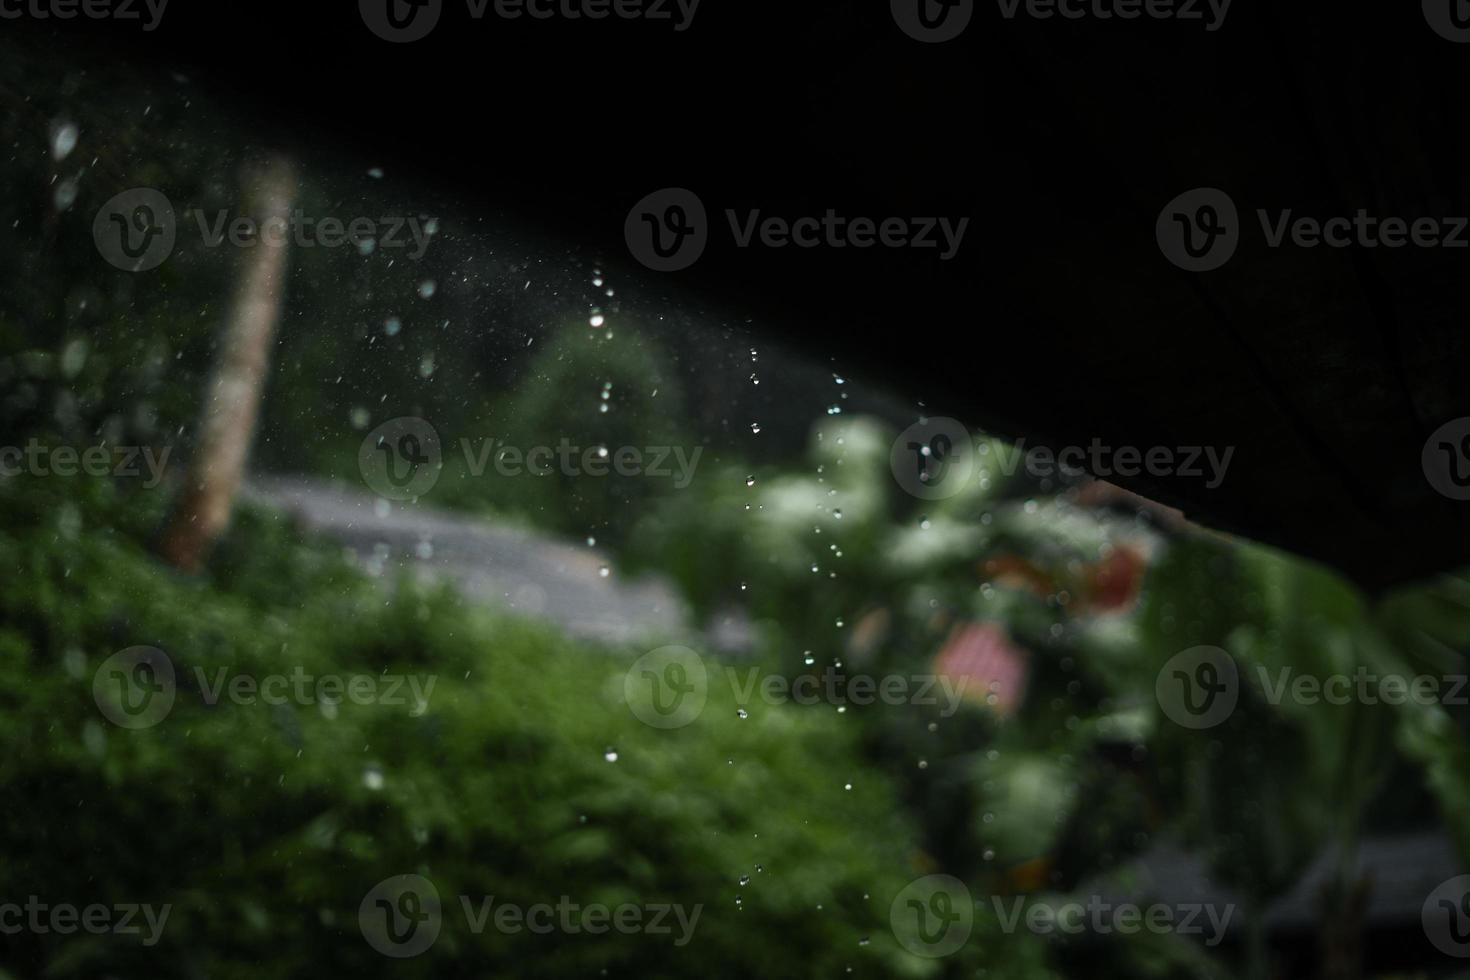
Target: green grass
{"points": [[264, 826]]}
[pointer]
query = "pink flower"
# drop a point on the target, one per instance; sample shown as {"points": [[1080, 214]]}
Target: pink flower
{"points": [[984, 666]]}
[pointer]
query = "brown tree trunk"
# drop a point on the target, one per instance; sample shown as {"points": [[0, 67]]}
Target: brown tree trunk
{"points": [[232, 406]]}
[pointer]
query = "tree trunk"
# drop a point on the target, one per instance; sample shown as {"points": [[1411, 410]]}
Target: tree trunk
{"points": [[202, 512]]}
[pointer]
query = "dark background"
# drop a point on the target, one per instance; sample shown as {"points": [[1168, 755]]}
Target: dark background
{"points": [[1061, 140]]}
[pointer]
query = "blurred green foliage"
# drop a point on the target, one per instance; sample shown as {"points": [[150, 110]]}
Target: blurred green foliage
{"points": [[264, 826]]}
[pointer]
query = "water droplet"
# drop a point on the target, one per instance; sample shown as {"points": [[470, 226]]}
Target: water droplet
{"points": [[742, 714], [610, 755], [372, 778], [392, 326], [745, 879], [428, 288], [63, 140]]}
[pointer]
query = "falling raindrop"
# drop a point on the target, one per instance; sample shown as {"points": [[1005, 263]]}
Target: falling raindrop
{"points": [[63, 140], [610, 755], [428, 288], [65, 194], [742, 714]]}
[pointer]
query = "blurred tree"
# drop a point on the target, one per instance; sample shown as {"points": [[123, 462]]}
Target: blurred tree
{"points": [[232, 407]]}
